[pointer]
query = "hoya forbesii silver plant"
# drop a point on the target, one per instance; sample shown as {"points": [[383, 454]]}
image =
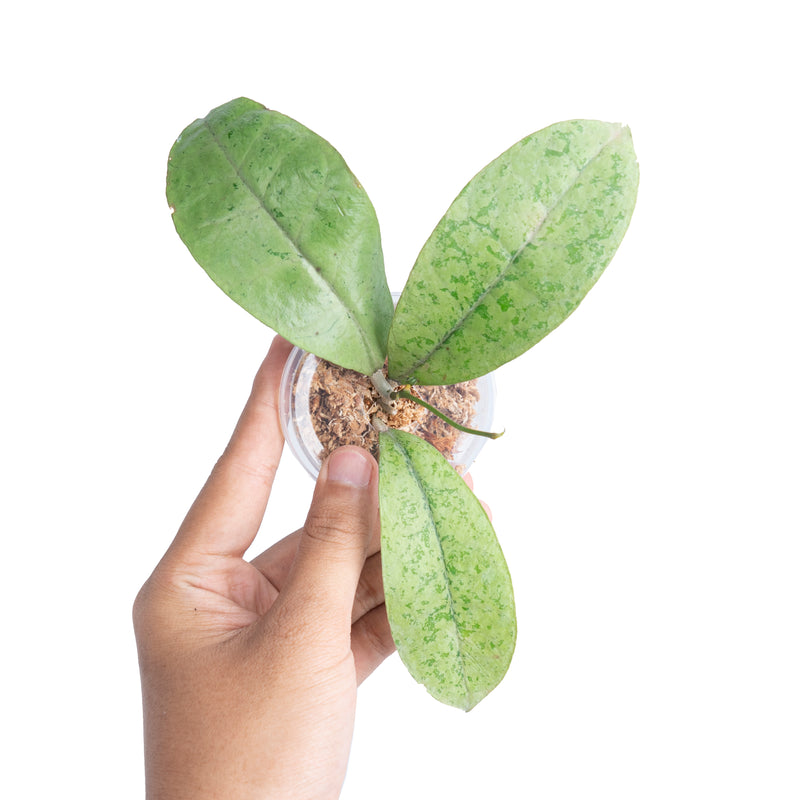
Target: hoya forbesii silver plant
{"points": [[273, 214]]}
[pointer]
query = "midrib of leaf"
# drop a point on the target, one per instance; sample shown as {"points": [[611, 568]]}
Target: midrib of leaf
{"points": [[306, 261], [429, 513], [533, 233]]}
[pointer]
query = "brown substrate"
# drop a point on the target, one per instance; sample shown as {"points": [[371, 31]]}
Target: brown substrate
{"points": [[342, 404]]}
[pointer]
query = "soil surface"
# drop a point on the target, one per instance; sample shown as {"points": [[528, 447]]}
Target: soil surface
{"points": [[342, 403]]}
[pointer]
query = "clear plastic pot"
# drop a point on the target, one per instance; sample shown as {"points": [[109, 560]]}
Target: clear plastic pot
{"points": [[304, 443]]}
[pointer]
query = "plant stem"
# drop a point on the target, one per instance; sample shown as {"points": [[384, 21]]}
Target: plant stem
{"points": [[385, 389], [379, 424], [407, 395]]}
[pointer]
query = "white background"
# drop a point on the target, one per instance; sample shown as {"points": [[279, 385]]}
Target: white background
{"points": [[646, 491]]}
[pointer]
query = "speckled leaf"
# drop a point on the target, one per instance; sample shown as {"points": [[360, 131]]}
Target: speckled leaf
{"points": [[448, 590], [273, 214], [515, 253]]}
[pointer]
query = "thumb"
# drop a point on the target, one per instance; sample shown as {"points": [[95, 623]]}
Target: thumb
{"points": [[341, 530]]}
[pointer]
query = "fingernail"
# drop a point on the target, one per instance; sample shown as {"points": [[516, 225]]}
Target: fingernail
{"points": [[350, 466]]}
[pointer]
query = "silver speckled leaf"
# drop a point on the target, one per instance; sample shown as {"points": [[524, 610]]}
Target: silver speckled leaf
{"points": [[272, 213], [515, 253], [448, 590]]}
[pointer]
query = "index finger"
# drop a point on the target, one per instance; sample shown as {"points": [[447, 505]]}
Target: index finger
{"points": [[225, 517]]}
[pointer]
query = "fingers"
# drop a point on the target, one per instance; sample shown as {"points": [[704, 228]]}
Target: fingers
{"points": [[228, 511], [341, 530], [276, 561], [371, 642], [369, 593]]}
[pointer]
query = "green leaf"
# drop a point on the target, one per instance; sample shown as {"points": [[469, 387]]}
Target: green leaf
{"points": [[273, 214], [448, 591], [515, 253]]}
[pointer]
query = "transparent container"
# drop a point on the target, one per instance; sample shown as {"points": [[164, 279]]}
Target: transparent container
{"points": [[303, 441]]}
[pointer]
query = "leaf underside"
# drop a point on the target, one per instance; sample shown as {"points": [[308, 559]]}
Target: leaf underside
{"points": [[515, 253], [448, 590], [273, 214]]}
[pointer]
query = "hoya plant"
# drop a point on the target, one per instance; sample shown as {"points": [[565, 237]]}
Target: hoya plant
{"points": [[275, 217]]}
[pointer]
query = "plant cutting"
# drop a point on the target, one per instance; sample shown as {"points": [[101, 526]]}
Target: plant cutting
{"points": [[273, 214]]}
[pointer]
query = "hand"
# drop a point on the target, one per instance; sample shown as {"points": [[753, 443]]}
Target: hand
{"points": [[249, 669]]}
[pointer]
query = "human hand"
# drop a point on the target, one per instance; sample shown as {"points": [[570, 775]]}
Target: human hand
{"points": [[249, 669]]}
